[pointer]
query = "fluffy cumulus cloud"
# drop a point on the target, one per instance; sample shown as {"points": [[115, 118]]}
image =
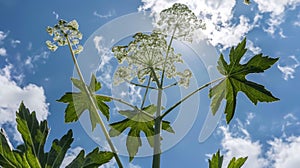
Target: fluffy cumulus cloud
{"points": [[222, 27], [11, 96], [288, 70], [276, 10], [275, 153], [105, 55], [284, 152], [217, 15]]}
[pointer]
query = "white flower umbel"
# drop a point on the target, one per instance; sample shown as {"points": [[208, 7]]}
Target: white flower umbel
{"points": [[178, 21], [63, 31], [145, 56]]}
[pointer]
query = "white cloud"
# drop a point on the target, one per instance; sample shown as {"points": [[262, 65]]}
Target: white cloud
{"points": [[276, 10], [289, 70], [222, 26], [254, 49], [105, 56], [55, 14], [14, 43], [284, 152], [70, 155], [218, 17], [3, 52], [279, 152], [40, 57], [11, 96], [2, 35], [239, 146], [108, 15]]}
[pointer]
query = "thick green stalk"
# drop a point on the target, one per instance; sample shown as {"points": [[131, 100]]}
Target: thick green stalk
{"points": [[157, 130], [157, 121], [94, 106], [188, 96]]}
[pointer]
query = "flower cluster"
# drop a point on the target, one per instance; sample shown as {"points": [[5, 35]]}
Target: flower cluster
{"points": [[62, 32], [144, 56], [179, 21]]}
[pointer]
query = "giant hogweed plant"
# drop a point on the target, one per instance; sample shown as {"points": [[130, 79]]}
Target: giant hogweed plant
{"points": [[150, 60]]}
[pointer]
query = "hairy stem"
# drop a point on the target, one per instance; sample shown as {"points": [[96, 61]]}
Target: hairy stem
{"points": [[188, 96], [157, 130], [94, 106], [157, 121]]}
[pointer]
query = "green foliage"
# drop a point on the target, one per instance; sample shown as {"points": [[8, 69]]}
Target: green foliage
{"points": [[217, 161], [237, 163], [90, 160], [31, 153], [235, 80], [137, 122], [78, 102]]}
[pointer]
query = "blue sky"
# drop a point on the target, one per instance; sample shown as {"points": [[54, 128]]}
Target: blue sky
{"points": [[268, 133]]}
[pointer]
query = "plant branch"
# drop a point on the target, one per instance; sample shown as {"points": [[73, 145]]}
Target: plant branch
{"points": [[188, 96], [128, 104], [155, 77], [139, 85], [173, 84], [146, 92], [157, 132], [94, 105], [167, 54]]}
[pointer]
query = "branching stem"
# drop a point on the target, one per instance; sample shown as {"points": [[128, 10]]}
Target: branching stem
{"points": [[94, 105], [188, 96]]}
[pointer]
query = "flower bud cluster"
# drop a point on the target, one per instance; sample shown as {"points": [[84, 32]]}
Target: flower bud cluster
{"points": [[63, 31]]}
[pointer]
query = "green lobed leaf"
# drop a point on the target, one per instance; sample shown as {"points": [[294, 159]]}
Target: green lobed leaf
{"points": [[78, 102], [94, 159], [237, 163], [137, 122], [216, 160], [10, 158], [58, 150], [34, 135], [235, 80]]}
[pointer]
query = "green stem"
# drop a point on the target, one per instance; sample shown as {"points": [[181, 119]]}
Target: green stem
{"points": [[157, 130], [139, 85], [188, 96], [174, 84], [94, 106], [157, 121], [146, 92], [167, 54], [155, 77], [128, 104]]}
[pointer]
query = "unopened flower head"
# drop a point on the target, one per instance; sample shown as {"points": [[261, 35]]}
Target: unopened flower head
{"points": [[179, 21], [145, 55], [61, 32]]}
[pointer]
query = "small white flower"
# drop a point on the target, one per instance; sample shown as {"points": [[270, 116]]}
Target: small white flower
{"points": [[180, 21], [145, 54], [123, 73], [185, 77], [61, 32]]}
